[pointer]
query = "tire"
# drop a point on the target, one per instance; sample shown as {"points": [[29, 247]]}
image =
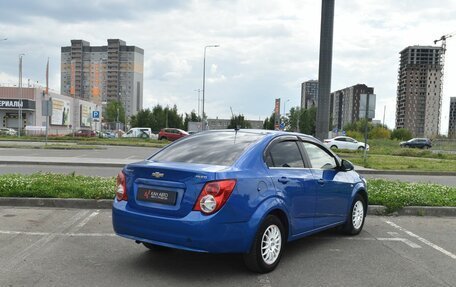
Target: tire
{"points": [[361, 148], [333, 147], [355, 219], [154, 247], [254, 260]]}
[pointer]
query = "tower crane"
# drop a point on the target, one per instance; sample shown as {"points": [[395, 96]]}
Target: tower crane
{"points": [[442, 59]]}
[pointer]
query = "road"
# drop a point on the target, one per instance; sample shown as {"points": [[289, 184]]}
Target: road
{"points": [[126, 154], [58, 247]]}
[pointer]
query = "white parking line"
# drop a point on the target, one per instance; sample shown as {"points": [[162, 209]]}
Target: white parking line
{"points": [[84, 222], [425, 241], [397, 239]]}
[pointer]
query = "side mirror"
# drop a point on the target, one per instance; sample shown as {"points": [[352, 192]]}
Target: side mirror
{"points": [[346, 165]]}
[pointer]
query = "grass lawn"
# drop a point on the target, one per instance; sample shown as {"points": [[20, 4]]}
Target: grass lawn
{"points": [[392, 194], [390, 162]]}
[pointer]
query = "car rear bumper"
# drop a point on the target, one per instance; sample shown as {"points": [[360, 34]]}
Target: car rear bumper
{"points": [[194, 232]]}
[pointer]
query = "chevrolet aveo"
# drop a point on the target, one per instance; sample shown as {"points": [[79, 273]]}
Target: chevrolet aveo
{"points": [[238, 191]]}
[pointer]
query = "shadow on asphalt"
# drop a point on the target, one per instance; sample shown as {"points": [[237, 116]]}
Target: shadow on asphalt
{"points": [[193, 266]]}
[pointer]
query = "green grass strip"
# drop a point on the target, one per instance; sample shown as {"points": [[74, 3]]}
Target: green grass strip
{"points": [[392, 194]]}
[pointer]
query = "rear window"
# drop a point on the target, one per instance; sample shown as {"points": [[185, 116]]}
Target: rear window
{"points": [[217, 148]]}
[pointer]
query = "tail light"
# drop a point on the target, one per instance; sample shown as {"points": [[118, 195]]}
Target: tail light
{"points": [[326, 141], [121, 187], [214, 195]]}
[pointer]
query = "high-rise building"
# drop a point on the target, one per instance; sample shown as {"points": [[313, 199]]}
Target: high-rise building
{"points": [[452, 118], [104, 73], [419, 87], [309, 94], [347, 105]]}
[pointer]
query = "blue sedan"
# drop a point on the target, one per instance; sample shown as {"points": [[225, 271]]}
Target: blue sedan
{"points": [[238, 191]]}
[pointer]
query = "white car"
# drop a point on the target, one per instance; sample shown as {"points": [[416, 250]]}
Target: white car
{"points": [[140, 133], [7, 132], [343, 142]]}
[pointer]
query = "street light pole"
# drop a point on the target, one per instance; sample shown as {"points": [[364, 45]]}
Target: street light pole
{"points": [[19, 118], [198, 90], [204, 82]]}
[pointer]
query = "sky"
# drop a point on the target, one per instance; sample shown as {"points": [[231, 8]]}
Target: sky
{"points": [[267, 48]]}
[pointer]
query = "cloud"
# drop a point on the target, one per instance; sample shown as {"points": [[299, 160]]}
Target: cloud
{"points": [[267, 48]]}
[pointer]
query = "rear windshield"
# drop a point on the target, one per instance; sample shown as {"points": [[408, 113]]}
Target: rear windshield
{"points": [[215, 148]]}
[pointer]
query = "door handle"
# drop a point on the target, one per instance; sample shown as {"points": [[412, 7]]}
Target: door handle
{"points": [[321, 181], [283, 179]]}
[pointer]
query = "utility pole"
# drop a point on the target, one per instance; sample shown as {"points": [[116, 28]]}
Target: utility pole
{"points": [[384, 112], [19, 116], [365, 129], [204, 82], [198, 90], [324, 70]]}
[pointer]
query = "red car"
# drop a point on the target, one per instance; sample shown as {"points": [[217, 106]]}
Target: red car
{"points": [[171, 134], [85, 133]]}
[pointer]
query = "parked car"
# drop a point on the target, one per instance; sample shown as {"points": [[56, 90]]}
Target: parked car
{"points": [[7, 132], [246, 191], [171, 134], [85, 133], [418, 143], [140, 133], [343, 142]]}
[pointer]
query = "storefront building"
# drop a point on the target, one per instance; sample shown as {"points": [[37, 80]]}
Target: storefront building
{"points": [[67, 113]]}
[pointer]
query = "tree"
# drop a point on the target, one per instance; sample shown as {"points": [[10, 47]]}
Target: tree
{"points": [[380, 132], [269, 123], [239, 122], [158, 118], [401, 134], [307, 118], [115, 112], [191, 118]]}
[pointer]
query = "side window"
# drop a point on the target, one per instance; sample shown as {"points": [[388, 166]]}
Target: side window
{"points": [[350, 140], [318, 157], [284, 154], [340, 139]]}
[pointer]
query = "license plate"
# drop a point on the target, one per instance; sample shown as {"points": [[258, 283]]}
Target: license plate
{"points": [[157, 196]]}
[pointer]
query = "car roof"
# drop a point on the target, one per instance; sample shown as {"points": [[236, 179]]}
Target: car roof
{"points": [[271, 133]]}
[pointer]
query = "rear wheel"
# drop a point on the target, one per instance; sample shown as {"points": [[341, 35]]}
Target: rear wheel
{"points": [[356, 216], [267, 246], [333, 147]]}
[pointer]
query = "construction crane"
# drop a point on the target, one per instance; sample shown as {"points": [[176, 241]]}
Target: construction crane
{"points": [[443, 39], [442, 59]]}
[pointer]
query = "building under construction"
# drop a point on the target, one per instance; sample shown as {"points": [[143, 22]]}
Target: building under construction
{"points": [[419, 90]]}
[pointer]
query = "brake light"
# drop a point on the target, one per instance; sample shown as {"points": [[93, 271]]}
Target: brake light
{"points": [[121, 187], [214, 195]]}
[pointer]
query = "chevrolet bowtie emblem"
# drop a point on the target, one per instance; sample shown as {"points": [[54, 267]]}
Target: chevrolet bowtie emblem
{"points": [[158, 174]]}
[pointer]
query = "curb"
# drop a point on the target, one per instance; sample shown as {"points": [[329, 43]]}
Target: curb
{"points": [[57, 202], [107, 204]]}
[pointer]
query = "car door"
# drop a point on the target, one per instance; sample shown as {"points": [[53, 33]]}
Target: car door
{"points": [[341, 143], [351, 143], [334, 186], [292, 179]]}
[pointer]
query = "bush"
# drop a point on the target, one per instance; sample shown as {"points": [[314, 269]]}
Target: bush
{"points": [[401, 134], [356, 135], [380, 133]]}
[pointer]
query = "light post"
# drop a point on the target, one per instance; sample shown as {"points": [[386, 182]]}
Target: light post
{"points": [[198, 90], [204, 82], [19, 116]]}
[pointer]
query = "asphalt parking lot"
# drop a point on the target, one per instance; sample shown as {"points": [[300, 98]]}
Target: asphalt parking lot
{"points": [[59, 247]]}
